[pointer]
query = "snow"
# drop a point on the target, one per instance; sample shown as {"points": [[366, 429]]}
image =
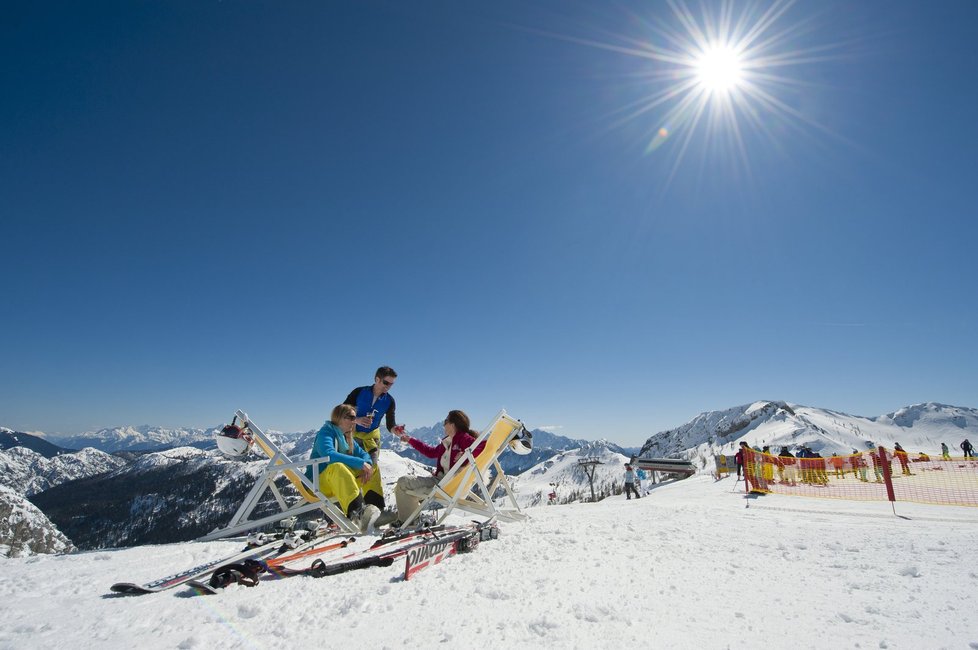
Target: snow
{"points": [[756, 406], [695, 564]]}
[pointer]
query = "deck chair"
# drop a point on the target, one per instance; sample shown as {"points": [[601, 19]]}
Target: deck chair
{"points": [[295, 472], [456, 489]]}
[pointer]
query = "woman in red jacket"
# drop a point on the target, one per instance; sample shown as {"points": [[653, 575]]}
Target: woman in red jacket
{"points": [[458, 437]]}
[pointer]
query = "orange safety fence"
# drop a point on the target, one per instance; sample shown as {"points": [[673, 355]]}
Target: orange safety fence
{"points": [[877, 475]]}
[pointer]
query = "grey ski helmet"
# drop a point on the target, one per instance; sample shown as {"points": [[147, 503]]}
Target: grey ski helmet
{"points": [[233, 441], [522, 442]]}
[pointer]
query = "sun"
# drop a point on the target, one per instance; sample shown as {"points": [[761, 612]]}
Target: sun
{"points": [[717, 78], [719, 69]]}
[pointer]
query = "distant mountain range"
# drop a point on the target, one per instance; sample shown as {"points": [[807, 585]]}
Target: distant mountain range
{"points": [[149, 438], [141, 438], [161, 485], [10, 439]]}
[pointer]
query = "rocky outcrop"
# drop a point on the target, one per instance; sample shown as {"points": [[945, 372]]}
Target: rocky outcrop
{"points": [[24, 530]]}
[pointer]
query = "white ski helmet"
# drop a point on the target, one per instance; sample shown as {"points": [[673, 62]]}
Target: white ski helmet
{"points": [[522, 442], [232, 441]]}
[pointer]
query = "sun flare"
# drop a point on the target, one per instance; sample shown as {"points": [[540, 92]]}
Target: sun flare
{"points": [[718, 68]]}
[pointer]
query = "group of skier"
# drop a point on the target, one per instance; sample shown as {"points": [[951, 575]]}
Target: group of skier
{"points": [[349, 445]]}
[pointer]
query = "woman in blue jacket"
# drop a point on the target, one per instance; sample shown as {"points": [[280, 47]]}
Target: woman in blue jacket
{"points": [[347, 468]]}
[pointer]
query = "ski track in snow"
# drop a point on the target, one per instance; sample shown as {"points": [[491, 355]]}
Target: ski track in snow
{"points": [[687, 566]]}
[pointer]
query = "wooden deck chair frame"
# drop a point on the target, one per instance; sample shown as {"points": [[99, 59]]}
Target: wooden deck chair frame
{"points": [[280, 464], [455, 489]]}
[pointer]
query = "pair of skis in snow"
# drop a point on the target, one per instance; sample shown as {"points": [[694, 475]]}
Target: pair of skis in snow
{"points": [[421, 549], [263, 548]]}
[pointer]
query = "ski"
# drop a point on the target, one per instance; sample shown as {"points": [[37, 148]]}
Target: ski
{"points": [[176, 579], [382, 552], [246, 572], [432, 552], [276, 545], [391, 537], [422, 547], [428, 554], [383, 555], [281, 560]]}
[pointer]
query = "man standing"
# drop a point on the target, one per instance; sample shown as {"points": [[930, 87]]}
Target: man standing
{"points": [[903, 457], [967, 449], [373, 403], [630, 483]]}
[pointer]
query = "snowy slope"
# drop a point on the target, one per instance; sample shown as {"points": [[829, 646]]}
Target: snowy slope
{"points": [[687, 567]]}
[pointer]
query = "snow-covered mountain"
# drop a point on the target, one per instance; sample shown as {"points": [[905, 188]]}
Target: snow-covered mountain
{"points": [[920, 427], [25, 530], [28, 472], [135, 438]]}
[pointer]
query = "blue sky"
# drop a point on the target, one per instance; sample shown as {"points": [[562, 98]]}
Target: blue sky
{"points": [[209, 206]]}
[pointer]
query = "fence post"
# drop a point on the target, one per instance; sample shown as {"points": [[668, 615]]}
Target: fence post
{"points": [[887, 479], [748, 458]]}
